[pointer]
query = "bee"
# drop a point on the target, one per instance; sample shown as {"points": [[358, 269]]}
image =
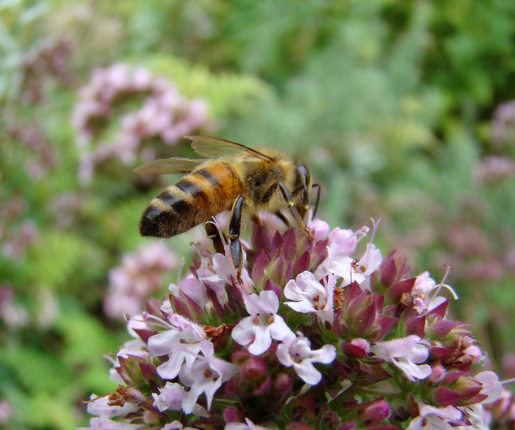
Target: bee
{"points": [[232, 177]]}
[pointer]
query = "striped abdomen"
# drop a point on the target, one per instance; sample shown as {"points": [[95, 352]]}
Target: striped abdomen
{"points": [[195, 199]]}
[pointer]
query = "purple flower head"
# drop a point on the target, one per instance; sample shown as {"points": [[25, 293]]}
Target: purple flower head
{"points": [[316, 330]]}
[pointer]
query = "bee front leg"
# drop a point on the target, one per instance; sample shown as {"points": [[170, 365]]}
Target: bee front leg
{"points": [[234, 236], [293, 210], [213, 234]]}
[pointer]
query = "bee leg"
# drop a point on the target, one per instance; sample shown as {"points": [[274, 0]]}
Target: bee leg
{"points": [[214, 235], [234, 236], [291, 207], [283, 218], [257, 219], [317, 201]]}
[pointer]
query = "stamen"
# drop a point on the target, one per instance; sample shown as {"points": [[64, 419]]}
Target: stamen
{"points": [[374, 228], [443, 285]]}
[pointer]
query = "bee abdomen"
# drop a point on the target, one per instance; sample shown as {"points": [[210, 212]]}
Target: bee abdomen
{"points": [[195, 199]]}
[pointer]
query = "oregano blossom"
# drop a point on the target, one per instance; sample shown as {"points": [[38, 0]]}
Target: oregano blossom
{"points": [[316, 331]]}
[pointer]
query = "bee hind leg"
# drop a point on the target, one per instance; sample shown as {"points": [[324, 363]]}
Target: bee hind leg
{"points": [[234, 236]]}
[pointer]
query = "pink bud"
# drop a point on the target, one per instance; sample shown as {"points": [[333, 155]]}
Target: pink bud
{"points": [[437, 374]]}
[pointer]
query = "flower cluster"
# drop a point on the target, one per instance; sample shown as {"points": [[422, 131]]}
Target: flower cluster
{"points": [[17, 232], [49, 58], [493, 169], [42, 156], [140, 274], [317, 331], [503, 125], [165, 114]]}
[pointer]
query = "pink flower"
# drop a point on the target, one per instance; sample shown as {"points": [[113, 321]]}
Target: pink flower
{"points": [[206, 375], [262, 325], [319, 229], [405, 353], [309, 295], [296, 351], [139, 275]]}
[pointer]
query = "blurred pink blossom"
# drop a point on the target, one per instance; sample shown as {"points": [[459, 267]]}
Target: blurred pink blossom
{"points": [[493, 169], [165, 114], [140, 274]]}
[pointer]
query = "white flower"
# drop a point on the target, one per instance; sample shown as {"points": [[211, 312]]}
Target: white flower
{"points": [[219, 271], [176, 425], [100, 407], [262, 325], [133, 348], [491, 386], [191, 287], [342, 243], [367, 264], [309, 295], [474, 414], [240, 426], [171, 397], [432, 418], [405, 353], [105, 424], [296, 351], [206, 375], [424, 284], [181, 342]]}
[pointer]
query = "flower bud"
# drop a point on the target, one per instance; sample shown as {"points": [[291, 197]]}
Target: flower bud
{"points": [[437, 374], [233, 415], [356, 348], [375, 412], [392, 269], [253, 377]]}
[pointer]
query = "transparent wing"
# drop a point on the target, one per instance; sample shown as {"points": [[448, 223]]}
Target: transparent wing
{"points": [[213, 147], [169, 165]]}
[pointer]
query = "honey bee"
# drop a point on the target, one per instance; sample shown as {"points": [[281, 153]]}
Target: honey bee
{"points": [[233, 176]]}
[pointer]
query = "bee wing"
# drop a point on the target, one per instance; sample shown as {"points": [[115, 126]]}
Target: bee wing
{"points": [[213, 147], [169, 165]]}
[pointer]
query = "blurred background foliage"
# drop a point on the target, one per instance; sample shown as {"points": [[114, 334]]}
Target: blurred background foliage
{"points": [[403, 110]]}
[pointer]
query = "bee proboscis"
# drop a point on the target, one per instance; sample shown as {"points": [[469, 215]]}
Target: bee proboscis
{"points": [[233, 176]]}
